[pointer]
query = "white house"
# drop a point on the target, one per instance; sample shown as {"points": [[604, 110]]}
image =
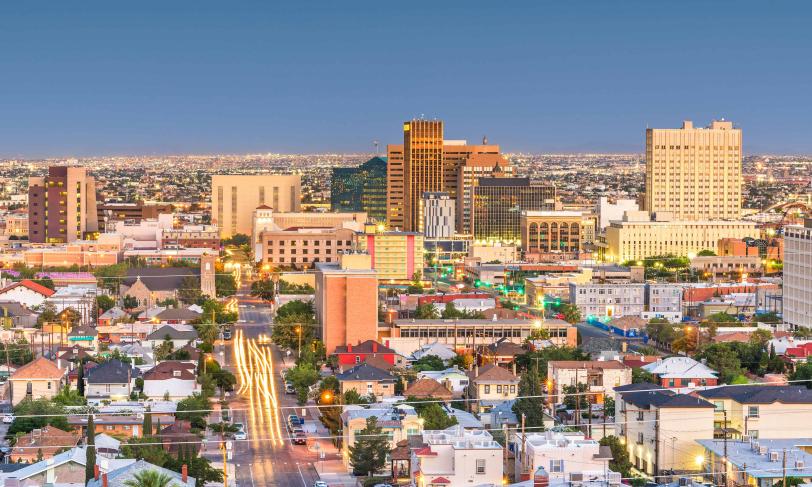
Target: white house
{"points": [[180, 335], [456, 457], [111, 380], [453, 378], [27, 293], [441, 350], [173, 379], [559, 453]]}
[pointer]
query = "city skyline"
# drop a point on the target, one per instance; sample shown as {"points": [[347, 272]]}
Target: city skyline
{"points": [[329, 79]]}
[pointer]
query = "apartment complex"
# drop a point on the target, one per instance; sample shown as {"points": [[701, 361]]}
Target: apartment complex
{"points": [[304, 247], [235, 197], [361, 188], [62, 205], [395, 255], [498, 204], [600, 377], [639, 235], [344, 290], [607, 301], [798, 275], [695, 173], [556, 231], [111, 212]]}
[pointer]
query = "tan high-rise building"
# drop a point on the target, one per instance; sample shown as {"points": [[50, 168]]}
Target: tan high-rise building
{"points": [[62, 205], [235, 197], [426, 163], [695, 173]]}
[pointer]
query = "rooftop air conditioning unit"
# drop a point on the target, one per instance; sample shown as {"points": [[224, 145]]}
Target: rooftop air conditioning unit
{"points": [[684, 481], [576, 477], [762, 450], [773, 456], [799, 464], [745, 438], [755, 446]]}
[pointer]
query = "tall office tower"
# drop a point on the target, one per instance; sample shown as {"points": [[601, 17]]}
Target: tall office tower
{"points": [[235, 197], [425, 162], [695, 173], [437, 215], [497, 207], [361, 188], [798, 275], [62, 205], [476, 166]]}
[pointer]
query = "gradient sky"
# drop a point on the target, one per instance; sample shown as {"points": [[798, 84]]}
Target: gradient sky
{"points": [[172, 76]]}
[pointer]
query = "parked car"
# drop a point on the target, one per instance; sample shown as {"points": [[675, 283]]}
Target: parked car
{"points": [[294, 422], [320, 483], [299, 438], [227, 334], [241, 435], [289, 389], [239, 426], [8, 418]]}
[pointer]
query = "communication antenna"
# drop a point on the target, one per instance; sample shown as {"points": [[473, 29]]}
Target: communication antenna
{"points": [[375, 143]]}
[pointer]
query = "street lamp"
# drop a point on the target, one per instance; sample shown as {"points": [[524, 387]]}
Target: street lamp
{"points": [[299, 332]]}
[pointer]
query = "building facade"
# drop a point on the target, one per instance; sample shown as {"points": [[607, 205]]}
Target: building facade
{"points": [[498, 204], [361, 188], [476, 166], [608, 211], [437, 215], [62, 205], [395, 255], [556, 231], [695, 173], [607, 301], [798, 275], [235, 197], [304, 247]]}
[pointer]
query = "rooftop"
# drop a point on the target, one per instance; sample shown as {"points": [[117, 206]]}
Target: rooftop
{"points": [[760, 394], [680, 368], [763, 458]]}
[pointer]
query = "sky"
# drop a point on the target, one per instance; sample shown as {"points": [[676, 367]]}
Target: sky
{"points": [[175, 77]]}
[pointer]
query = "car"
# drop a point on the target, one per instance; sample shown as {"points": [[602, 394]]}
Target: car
{"points": [[227, 334], [289, 389], [8, 418], [241, 435], [239, 426], [294, 420], [320, 483], [299, 438], [296, 430]]}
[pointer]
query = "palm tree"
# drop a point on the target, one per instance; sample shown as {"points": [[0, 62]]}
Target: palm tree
{"points": [[151, 478]]}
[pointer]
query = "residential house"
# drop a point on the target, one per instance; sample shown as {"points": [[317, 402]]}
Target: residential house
{"points": [[798, 354], [560, 454], [112, 316], [111, 380], [490, 385], [42, 444], [600, 376], [503, 352], [150, 285], [452, 378], [758, 463], [171, 379], [398, 421], [502, 416], [180, 335], [64, 469], [15, 315], [428, 389], [125, 476], [26, 292], [440, 350], [179, 316], [367, 380], [351, 355], [84, 336], [660, 427], [676, 372], [125, 332], [119, 424], [761, 411], [456, 457], [39, 378], [107, 446], [179, 435]]}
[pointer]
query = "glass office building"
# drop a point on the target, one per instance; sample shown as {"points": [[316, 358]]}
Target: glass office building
{"points": [[361, 188], [498, 204]]}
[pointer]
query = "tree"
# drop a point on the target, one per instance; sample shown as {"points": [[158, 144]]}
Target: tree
{"points": [[620, 461], [207, 332], [237, 240], [353, 397], [803, 372], [189, 291], [760, 338], [69, 397], [721, 318], [571, 313], [225, 380], [530, 402], [302, 376], [428, 362], [706, 253], [162, 351], [463, 361], [575, 397], [722, 358], [660, 330], [47, 282], [33, 414], [150, 478], [791, 482], [18, 352], [296, 307], [640, 376], [80, 378], [768, 317], [646, 350], [105, 302], [368, 454], [435, 417], [194, 409], [212, 307], [90, 441], [129, 302], [287, 335], [264, 290], [47, 315], [147, 426], [426, 311], [225, 284]]}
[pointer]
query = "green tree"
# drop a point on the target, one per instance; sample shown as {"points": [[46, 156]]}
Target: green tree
{"points": [[353, 397], [147, 425], [207, 332], [33, 414], [162, 351], [69, 397], [238, 239], [129, 302], [428, 362], [722, 358], [212, 307], [189, 291], [435, 417], [791, 482], [426, 312], [47, 315], [291, 335], [90, 442], [110, 276], [660, 330], [574, 395], [296, 307], [263, 289], [463, 361], [530, 402], [194, 409], [721, 317], [570, 312], [18, 352], [225, 380], [803, 372], [706, 253], [105, 302], [150, 478], [537, 359], [368, 454], [620, 456], [760, 338], [640, 376], [225, 284], [302, 376], [768, 317]]}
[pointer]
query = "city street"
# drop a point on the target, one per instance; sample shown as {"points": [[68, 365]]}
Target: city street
{"points": [[260, 403]]}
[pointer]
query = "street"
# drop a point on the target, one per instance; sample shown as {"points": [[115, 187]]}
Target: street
{"points": [[267, 457]]}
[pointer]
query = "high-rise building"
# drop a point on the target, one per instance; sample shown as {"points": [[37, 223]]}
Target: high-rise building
{"points": [[695, 173], [346, 291], [361, 188], [62, 205], [798, 274], [235, 197], [395, 255], [476, 166], [426, 162], [497, 206], [438, 215]]}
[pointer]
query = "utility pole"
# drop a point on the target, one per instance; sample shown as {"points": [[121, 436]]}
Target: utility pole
{"points": [[589, 409], [724, 433], [524, 440], [225, 465], [784, 469], [577, 400]]}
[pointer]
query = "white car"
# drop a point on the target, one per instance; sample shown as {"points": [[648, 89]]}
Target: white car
{"points": [[8, 418], [320, 483], [241, 435]]}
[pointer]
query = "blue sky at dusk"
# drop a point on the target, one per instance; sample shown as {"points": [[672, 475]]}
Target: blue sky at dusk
{"points": [[168, 77]]}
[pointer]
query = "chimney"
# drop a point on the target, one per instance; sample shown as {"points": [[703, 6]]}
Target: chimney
{"points": [[514, 367], [374, 347], [184, 473], [541, 478], [104, 480], [349, 348], [476, 370], [96, 472]]}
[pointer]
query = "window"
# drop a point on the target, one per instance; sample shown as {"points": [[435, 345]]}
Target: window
{"points": [[357, 359], [639, 415], [720, 405], [752, 411], [753, 434], [498, 389], [640, 437], [670, 382], [480, 466], [487, 389], [556, 466], [49, 385]]}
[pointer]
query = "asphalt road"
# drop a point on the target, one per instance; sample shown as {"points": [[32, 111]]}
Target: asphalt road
{"points": [[267, 457]]}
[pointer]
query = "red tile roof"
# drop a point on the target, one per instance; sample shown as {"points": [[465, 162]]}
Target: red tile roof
{"points": [[37, 288], [425, 452], [440, 480], [41, 368]]}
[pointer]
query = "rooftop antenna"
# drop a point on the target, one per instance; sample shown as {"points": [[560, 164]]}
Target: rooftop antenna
{"points": [[375, 143]]}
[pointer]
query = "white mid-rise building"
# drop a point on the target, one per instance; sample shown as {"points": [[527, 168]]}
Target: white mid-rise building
{"points": [[607, 301], [798, 274], [456, 457], [614, 211], [438, 215], [560, 454]]}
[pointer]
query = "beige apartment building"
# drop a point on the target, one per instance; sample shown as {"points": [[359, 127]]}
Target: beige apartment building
{"points": [[695, 173], [304, 247], [601, 377], [556, 231], [639, 236], [235, 197]]}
